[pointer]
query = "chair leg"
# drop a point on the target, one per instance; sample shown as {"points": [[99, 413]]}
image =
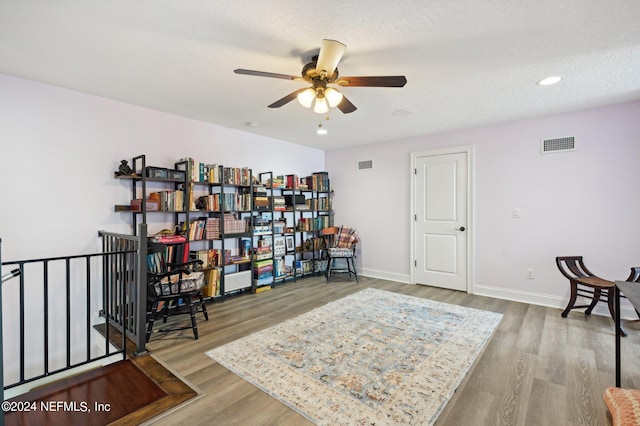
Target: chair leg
{"points": [[327, 272], [165, 311], [154, 307], [204, 307], [597, 294], [572, 299], [192, 313], [352, 268]]}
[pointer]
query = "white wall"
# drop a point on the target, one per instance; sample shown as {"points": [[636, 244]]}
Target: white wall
{"points": [[60, 149], [574, 203]]}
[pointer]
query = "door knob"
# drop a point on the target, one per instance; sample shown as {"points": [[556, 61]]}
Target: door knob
{"points": [[462, 228]]}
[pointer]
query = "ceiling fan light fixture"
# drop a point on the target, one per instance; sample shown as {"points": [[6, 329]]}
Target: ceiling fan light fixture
{"points": [[334, 97], [321, 105], [321, 130], [306, 97]]}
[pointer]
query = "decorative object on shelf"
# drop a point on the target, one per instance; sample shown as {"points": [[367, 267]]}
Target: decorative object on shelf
{"points": [[124, 169], [157, 172], [151, 205], [290, 243], [279, 246], [176, 175]]}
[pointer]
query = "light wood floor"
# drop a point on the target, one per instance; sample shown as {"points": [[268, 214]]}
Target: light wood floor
{"points": [[538, 369]]}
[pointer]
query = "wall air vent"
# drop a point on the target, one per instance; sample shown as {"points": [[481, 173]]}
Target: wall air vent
{"points": [[365, 165], [558, 145]]}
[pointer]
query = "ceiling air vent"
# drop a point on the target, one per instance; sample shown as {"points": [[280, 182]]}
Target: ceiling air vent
{"points": [[365, 165], [558, 144]]}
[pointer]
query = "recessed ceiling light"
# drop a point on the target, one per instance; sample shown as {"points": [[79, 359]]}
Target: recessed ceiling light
{"points": [[549, 80]]}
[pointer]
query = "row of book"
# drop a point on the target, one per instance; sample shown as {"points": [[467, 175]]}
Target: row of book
{"points": [[161, 260], [281, 269], [314, 244], [304, 266], [176, 253], [168, 200], [321, 203], [232, 225], [227, 202], [215, 173], [212, 257], [318, 181], [313, 223], [211, 283]]}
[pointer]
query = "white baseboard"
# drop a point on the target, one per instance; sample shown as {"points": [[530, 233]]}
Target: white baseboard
{"points": [[547, 300], [509, 294], [384, 275]]}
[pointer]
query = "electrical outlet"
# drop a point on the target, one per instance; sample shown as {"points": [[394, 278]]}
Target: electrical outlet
{"points": [[516, 213], [530, 274]]}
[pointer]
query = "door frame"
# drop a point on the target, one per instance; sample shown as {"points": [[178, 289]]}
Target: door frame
{"points": [[469, 150]]}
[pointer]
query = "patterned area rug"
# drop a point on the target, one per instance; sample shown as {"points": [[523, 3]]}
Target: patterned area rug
{"points": [[374, 357]]}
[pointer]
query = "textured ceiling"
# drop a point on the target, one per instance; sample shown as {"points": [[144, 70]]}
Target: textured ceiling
{"points": [[467, 62]]}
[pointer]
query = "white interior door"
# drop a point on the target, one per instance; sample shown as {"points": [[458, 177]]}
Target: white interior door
{"points": [[441, 228]]}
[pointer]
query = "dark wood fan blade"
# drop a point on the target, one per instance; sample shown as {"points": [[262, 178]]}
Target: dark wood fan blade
{"points": [[268, 74], [382, 81], [291, 96], [346, 106]]}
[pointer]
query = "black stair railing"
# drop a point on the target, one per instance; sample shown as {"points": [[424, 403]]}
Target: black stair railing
{"points": [[125, 283], [61, 312]]}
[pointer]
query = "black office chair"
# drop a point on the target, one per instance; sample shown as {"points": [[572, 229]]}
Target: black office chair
{"points": [[172, 288]]}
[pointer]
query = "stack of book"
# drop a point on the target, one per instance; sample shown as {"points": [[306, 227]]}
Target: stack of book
{"points": [[263, 272], [261, 253], [279, 203], [260, 199], [262, 224], [276, 182]]}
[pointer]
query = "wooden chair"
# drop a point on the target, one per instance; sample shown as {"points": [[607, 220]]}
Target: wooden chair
{"points": [[171, 290], [340, 243], [585, 284]]}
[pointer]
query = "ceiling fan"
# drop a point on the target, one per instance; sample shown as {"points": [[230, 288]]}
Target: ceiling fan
{"points": [[322, 71]]}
